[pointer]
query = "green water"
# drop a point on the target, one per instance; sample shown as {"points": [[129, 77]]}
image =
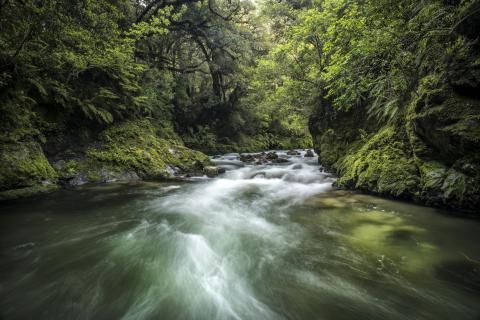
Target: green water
{"points": [[282, 245]]}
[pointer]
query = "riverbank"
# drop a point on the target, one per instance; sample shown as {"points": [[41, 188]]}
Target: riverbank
{"points": [[132, 150], [260, 241], [427, 154]]}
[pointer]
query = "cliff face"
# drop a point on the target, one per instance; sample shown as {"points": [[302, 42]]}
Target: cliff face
{"points": [[430, 154]]}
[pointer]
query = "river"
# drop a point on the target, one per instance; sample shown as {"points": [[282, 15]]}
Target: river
{"points": [[258, 242]]}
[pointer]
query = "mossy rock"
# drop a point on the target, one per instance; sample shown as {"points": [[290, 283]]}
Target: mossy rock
{"points": [[428, 153], [66, 169], [461, 187], [382, 165], [331, 148], [24, 165], [445, 123], [136, 146]]}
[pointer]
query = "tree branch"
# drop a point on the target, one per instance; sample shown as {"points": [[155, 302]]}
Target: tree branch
{"points": [[226, 18]]}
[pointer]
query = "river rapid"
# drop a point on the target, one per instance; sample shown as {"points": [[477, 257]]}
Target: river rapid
{"points": [[272, 241]]}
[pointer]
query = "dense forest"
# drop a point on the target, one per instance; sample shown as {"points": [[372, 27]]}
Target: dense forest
{"points": [[386, 91], [240, 159]]}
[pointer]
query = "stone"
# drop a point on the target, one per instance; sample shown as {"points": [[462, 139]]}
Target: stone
{"points": [[271, 156], [309, 154], [211, 171], [293, 153], [247, 157]]}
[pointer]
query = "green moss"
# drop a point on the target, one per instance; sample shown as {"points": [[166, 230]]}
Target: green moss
{"points": [[454, 186], [135, 145], [430, 153], [467, 127], [331, 148], [461, 186], [443, 122], [24, 165], [94, 175], [381, 165], [66, 169], [432, 175], [27, 191], [443, 127]]}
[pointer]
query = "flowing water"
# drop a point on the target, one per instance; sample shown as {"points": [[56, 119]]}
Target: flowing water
{"points": [[259, 242]]}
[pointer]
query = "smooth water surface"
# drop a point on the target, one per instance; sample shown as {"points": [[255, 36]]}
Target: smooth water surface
{"points": [[263, 242]]}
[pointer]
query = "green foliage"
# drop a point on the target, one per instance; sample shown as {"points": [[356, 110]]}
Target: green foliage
{"points": [[24, 165], [381, 165], [357, 54], [69, 56], [135, 145]]}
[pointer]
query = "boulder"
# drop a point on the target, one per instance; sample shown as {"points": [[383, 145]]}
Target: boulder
{"points": [[247, 157], [293, 153], [211, 171], [271, 156], [259, 161], [309, 154]]}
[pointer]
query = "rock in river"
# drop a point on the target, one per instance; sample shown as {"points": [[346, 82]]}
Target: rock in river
{"points": [[293, 152], [271, 155], [212, 171], [309, 154]]}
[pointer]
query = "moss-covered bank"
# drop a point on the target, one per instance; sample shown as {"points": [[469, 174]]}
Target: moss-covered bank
{"points": [[430, 154], [131, 150]]}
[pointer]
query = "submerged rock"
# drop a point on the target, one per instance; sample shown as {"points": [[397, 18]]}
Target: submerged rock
{"points": [[27, 191], [280, 160]]}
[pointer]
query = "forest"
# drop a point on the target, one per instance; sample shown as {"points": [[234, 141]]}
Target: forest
{"points": [[240, 159], [376, 87]]}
